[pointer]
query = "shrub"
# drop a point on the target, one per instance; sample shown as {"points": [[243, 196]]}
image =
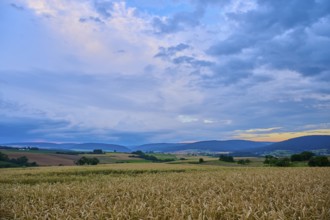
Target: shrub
{"points": [[243, 162], [201, 160]]}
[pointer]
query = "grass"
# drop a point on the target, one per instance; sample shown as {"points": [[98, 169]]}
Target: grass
{"points": [[164, 191], [163, 156]]}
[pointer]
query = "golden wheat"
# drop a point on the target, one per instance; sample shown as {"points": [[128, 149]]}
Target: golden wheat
{"points": [[160, 191]]}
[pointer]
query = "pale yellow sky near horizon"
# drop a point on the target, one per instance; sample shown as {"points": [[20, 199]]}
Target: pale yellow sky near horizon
{"points": [[280, 136]]}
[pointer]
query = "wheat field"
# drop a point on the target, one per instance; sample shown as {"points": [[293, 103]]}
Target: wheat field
{"points": [[164, 191]]}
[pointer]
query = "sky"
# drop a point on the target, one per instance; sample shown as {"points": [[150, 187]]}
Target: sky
{"points": [[143, 71]]}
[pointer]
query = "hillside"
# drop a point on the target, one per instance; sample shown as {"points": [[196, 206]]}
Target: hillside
{"points": [[304, 143], [158, 147], [212, 146], [71, 146], [314, 142]]}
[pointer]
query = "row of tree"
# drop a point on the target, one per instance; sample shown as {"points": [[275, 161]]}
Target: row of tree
{"points": [[15, 162], [152, 158], [228, 158], [313, 160]]}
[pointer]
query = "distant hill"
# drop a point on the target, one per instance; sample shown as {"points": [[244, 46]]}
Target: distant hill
{"points": [[105, 147], [158, 147], [229, 145], [299, 144], [238, 147], [212, 146], [72, 146]]}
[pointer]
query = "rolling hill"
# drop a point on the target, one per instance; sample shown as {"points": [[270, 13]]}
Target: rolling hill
{"points": [[299, 144], [211, 146], [71, 146], [158, 147]]}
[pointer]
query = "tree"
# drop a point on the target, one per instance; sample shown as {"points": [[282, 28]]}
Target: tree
{"points": [[269, 159], [97, 151], [138, 152], [306, 155], [201, 160], [3, 157], [319, 161], [226, 158], [82, 161], [274, 161], [296, 157], [89, 161], [303, 156], [94, 161], [283, 162], [22, 160]]}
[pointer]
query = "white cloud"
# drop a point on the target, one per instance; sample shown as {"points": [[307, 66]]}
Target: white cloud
{"points": [[257, 130], [187, 118], [96, 44], [208, 121]]}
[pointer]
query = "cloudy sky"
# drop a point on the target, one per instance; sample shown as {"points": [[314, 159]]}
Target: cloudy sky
{"points": [[141, 71]]}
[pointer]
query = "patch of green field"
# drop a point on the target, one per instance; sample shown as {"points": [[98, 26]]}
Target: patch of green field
{"points": [[255, 161], [164, 156], [113, 157], [299, 164]]}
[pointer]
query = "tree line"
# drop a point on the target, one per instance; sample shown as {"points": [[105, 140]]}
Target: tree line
{"points": [[15, 162], [310, 157], [140, 154]]}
